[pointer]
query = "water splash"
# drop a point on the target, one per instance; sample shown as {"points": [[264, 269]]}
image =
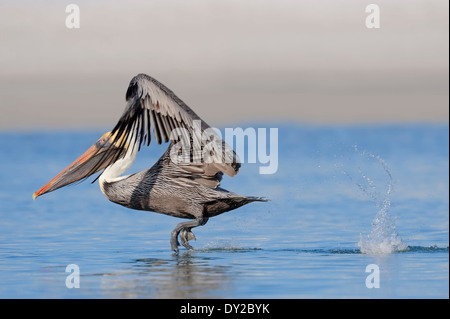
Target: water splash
{"points": [[383, 237]]}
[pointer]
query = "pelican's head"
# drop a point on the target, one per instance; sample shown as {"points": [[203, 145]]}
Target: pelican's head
{"points": [[99, 156]]}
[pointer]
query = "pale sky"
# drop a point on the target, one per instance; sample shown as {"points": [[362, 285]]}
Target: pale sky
{"points": [[231, 61]]}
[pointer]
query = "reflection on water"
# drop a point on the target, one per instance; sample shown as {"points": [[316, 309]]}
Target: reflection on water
{"points": [[182, 276], [208, 273]]}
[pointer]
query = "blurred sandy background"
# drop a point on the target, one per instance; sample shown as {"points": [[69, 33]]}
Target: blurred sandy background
{"points": [[232, 61]]}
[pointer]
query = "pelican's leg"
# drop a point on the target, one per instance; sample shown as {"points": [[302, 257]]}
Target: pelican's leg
{"points": [[184, 230]]}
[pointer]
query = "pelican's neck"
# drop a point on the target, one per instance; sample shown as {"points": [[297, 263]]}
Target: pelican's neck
{"points": [[112, 173]]}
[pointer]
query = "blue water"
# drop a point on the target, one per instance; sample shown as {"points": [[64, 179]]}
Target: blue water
{"points": [[343, 198]]}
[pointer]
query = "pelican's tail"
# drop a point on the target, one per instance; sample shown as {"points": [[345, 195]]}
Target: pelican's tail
{"points": [[257, 199], [222, 205]]}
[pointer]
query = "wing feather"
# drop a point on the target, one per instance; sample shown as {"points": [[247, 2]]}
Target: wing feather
{"points": [[152, 106]]}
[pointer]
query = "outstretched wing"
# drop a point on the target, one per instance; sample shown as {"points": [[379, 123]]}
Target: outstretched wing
{"points": [[152, 106]]}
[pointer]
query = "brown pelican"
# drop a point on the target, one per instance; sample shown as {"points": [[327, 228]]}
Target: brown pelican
{"points": [[183, 183]]}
